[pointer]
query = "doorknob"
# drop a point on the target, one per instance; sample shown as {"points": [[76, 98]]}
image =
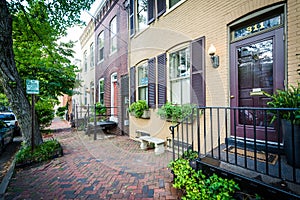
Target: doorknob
{"points": [[231, 97]]}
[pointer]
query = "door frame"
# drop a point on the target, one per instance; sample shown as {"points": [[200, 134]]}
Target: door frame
{"points": [[278, 76]]}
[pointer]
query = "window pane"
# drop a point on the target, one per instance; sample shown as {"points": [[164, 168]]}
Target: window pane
{"points": [[180, 76], [173, 2], [92, 55], [100, 46], [113, 35], [142, 14], [143, 82]]}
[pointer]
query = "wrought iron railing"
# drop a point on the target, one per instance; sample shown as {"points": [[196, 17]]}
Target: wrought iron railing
{"points": [[249, 138]]}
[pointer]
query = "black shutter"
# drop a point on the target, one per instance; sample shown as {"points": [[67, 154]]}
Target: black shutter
{"points": [[162, 79], [131, 18], [151, 10], [198, 73], [132, 85], [151, 83], [161, 7]]}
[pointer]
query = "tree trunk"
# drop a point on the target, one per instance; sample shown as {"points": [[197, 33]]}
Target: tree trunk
{"points": [[10, 80]]}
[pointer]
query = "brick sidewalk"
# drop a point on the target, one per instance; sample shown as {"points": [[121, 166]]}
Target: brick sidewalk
{"points": [[111, 168]]}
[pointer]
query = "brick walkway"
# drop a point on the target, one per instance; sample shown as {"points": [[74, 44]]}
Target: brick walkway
{"points": [[110, 168]]}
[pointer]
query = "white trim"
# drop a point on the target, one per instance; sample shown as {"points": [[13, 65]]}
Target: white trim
{"points": [[114, 79]]}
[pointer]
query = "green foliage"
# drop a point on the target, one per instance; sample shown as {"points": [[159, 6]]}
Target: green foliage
{"points": [[286, 99], [137, 108], [3, 100], [61, 111], [190, 155], [100, 109], [45, 112], [174, 112], [42, 152], [196, 185]]}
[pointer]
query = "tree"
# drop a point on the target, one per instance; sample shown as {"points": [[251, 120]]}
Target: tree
{"points": [[37, 26]]}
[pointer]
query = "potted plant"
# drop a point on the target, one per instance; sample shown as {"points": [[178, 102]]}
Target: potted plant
{"points": [[170, 112], [290, 119], [140, 109], [174, 112]]}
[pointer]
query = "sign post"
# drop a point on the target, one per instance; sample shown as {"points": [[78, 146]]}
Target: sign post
{"points": [[32, 87]]}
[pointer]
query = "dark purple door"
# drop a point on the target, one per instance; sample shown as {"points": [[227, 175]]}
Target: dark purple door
{"points": [[257, 65]]}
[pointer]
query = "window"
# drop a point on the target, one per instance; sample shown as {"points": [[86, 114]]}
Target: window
{"points": [[143, 82], [173, 2], [101, 91], [92, 55], [113, 35], [180, 76], [142, 14], [85, 60], [132, 85], [131, 18], [85, 95], [101, 46]]}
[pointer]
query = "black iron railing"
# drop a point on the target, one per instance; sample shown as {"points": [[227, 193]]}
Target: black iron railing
{"points": [[251, 139]]}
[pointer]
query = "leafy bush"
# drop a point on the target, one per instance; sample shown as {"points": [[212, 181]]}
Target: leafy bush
{"points": [[100, 109], [137, 108], [61, 111], [43, 152], [45, 113], [286, 99], [196, 185], [175, 112]]}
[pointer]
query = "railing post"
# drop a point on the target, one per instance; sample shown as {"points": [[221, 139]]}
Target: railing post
{"points": [[173, 146], [95, 123]]}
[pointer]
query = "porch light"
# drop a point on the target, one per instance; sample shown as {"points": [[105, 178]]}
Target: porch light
{"points": [[214, 58]]}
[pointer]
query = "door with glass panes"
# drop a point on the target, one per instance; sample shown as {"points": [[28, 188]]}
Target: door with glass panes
{"points": [[257, 66]]}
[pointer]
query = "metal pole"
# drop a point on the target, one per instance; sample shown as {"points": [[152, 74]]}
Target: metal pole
{"points": [[32, 122]]}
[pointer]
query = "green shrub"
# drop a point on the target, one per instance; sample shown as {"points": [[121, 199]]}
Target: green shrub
{"points": [[289, 98], [43, 152], [45, 113], [100, 109], [137, 108], [61, 111], [175, 112], [196, 185]]}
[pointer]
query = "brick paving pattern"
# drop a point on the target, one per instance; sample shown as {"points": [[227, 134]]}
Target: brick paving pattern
{"points": [[109, 168]]}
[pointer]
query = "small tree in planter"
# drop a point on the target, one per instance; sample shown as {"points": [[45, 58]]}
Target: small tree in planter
{"points": [[139, 109], [290, 119]]}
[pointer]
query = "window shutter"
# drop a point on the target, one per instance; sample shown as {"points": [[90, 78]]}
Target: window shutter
{"points": [[161, 7], [132, 85], [131, 18], [152, 83], [198, 72], [162, 79], [151, 10]]}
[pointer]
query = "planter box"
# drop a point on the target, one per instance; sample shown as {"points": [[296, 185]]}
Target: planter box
{"points": [[290, 142], [146, 114]]}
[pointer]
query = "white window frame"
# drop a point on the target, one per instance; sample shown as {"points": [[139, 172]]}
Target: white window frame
{"points": [[113, 35], [180, 72], [85, 60], [92, 55], [142, 79], [101, 46], [100, 91], [141, 12]]}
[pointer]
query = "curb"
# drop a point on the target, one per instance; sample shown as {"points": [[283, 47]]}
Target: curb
{"points": [[6, 179]]}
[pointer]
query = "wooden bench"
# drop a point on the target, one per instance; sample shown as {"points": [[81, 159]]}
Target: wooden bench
{"points": [[159, 144]]}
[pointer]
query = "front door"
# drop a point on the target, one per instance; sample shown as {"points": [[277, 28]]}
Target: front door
{"points": [[257, 66]]}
